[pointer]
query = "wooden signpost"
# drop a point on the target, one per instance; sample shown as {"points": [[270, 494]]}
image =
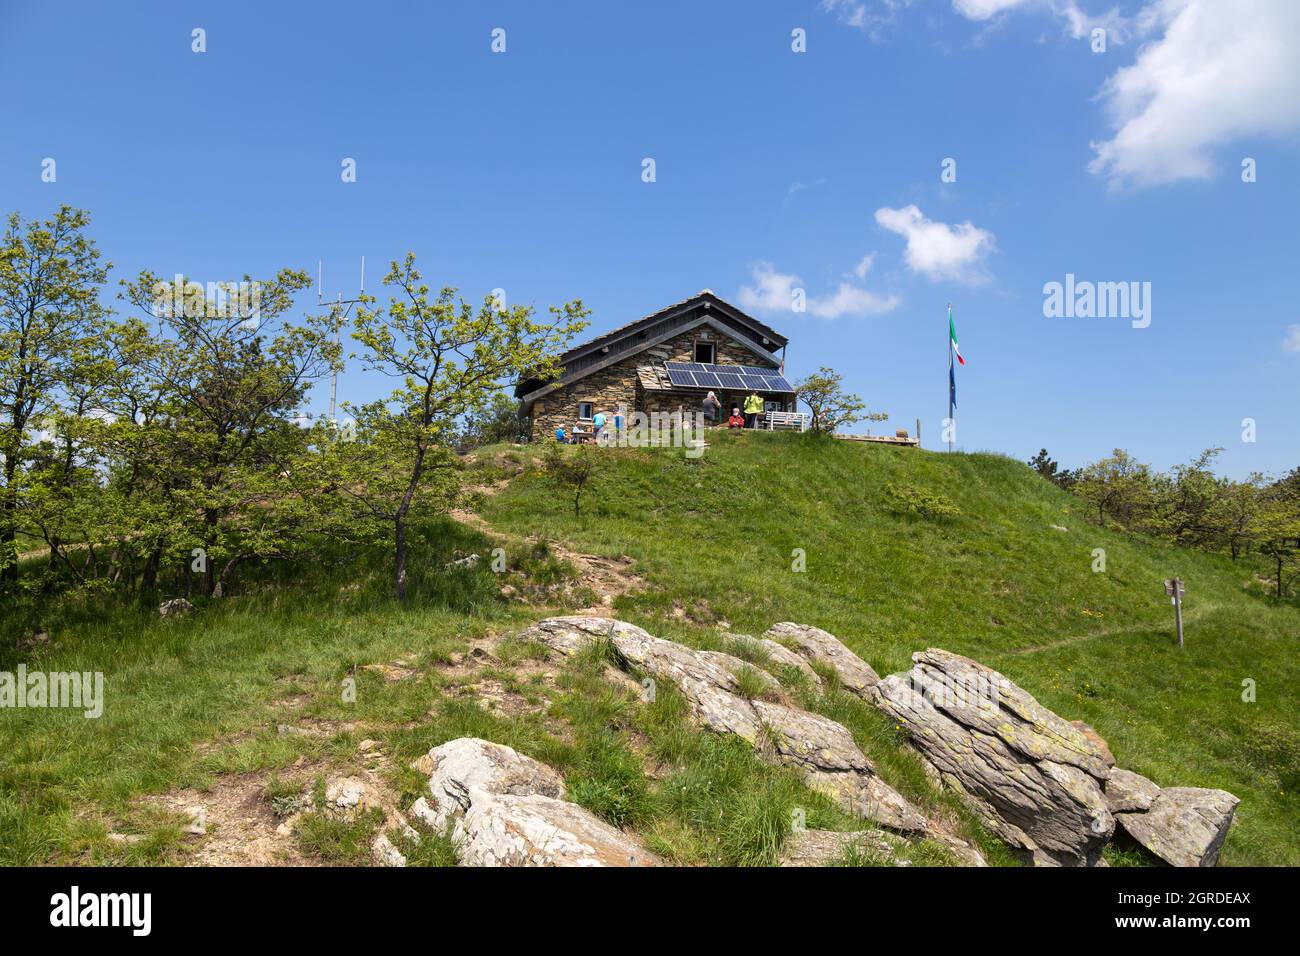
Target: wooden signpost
{"points": [[1174, 588]]}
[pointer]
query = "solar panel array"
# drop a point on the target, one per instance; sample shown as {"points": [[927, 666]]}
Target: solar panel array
{"points": [[705, 375]]}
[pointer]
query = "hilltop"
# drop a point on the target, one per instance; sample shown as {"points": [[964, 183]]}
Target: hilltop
{"points": [[1008, 581], [235, 711]]}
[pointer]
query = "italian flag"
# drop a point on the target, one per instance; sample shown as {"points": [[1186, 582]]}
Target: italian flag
{"points": [[952, 336]]}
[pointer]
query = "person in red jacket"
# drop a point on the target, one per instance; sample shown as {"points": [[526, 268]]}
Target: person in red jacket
{"points": [[736, 420]]}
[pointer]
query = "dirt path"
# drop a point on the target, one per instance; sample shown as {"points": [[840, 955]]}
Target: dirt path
{"points": [[1200, 611], [607, 578]]}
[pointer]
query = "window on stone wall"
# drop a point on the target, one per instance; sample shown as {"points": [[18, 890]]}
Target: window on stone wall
{"points": [[705, 352], [586, 411]]}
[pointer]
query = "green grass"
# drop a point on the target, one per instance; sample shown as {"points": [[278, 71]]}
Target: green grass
{"points": [[194, 700], [170, 684], [716, 538], [191, 701]]}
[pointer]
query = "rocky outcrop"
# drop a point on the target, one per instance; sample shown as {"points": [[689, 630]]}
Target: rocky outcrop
{"points": [[1184, 826], [542, 831], [506, 809], [822, 647], [1047, 786], [831, 763], [1035, 779], [460, 766], [822, 750], [778, 654], [707, 679]]}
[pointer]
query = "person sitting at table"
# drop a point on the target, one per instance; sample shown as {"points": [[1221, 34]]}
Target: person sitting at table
{"points": [[736, 420]]}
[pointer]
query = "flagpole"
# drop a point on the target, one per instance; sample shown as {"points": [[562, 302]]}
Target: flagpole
{"points": [[951, 423]]}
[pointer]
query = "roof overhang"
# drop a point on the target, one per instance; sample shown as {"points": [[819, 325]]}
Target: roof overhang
{"points": [[703, 320]]}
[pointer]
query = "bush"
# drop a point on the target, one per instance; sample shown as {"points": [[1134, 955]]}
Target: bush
{"points": [[917, 502]]}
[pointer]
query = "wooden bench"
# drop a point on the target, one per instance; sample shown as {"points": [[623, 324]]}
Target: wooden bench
{"points": [[793, 421]]}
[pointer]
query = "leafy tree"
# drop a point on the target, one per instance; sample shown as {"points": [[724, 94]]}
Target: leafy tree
{"points": [[1277, 529], [449, 359], [1118, 485], [50, 318], [1184, 505], [828, 403], [573, 471], [499, 421], [1236, 511], [219, 438]]}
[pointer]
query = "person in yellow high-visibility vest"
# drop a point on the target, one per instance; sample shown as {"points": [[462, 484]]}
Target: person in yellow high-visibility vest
{"points": [[753, 407]]}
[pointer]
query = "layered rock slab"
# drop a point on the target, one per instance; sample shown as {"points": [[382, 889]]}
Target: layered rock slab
{"points": [[821, 749], [1184, 826], [1034, 778], [822, 647]]}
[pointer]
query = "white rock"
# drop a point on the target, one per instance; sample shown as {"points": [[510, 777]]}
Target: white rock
{"points": [[536, 830]]}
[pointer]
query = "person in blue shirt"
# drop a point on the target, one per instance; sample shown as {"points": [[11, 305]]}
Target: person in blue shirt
{"points": [[559, 434], [597, 426]]}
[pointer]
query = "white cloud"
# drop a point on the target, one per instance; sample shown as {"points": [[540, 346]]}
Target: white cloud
{"points": [[936, 249], [852, 301], [1220, 72], [773, 291], [1078, 22], [864, 265], [1292, 341], [869, 16]]}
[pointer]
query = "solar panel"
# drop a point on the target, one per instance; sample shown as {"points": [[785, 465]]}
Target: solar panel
{"points": [[711, 375]]}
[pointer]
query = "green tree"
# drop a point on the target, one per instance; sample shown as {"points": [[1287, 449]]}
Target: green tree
{"points": [[50, 319], [1236, 511], [572, 470], [499, 421], [222, 386], [830, 405], [1118, 486], [449, 359], [1277, 530], [1186, 503]]}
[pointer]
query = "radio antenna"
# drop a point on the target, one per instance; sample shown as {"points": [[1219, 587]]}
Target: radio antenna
{"points": [[339, 309]]}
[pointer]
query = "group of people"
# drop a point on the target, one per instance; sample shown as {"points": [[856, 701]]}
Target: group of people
{"points": [[753, 406], [578, 435], [602, 421]]}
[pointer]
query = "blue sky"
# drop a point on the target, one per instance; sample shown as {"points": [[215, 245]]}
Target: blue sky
{"points": [[774, 170]]}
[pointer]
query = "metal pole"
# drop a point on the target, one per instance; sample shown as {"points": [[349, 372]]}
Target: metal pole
{"points": [[1178, 608], [948, 338]]}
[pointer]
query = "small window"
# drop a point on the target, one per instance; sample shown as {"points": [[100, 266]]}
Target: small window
{"points": [[704, 352], [586, 411]]}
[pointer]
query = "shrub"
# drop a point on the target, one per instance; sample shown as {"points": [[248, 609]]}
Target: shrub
{"points": [[917, 502]]}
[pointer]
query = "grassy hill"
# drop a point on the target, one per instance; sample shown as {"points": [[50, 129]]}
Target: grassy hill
{"points": [[716, 537], [238, 705]]}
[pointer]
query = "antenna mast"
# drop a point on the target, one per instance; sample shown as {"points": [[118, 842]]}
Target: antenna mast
{"points": [[339, 308]]}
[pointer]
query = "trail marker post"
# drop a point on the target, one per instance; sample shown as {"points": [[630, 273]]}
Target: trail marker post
{"points": [[1174, 588]]}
